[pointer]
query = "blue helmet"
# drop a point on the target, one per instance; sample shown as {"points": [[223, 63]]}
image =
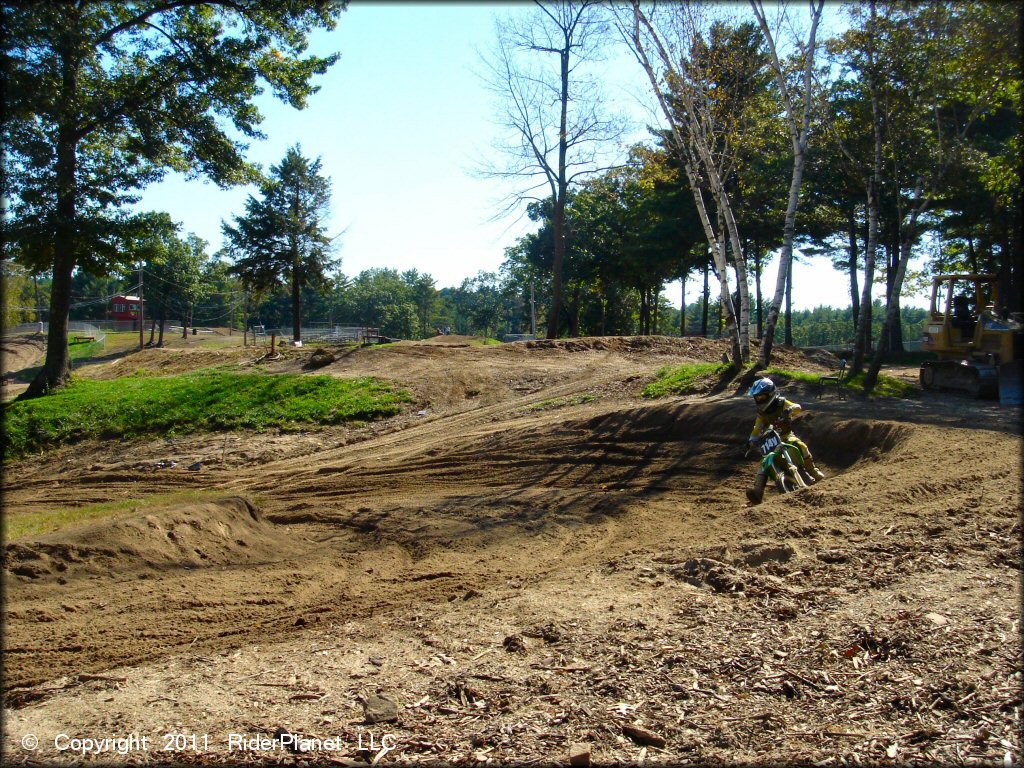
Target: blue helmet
{"points": [[764, 394]]}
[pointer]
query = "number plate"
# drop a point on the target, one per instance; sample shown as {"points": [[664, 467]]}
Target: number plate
{"points": [[769, 444]]}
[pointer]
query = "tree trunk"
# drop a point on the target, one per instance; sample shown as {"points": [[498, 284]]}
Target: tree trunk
{"points": [[787, 338], [1014, 256], [740, 266], [296, 296], [574, 314], [862, 341], [785, 258], [893, 304], [757, 288], [644, 311], [739, 323], [56, 370], [852, 263], [896, 330], [705, 304], [655, 308], [558, 220], [682, 315], [557, 266], [895, 341]]}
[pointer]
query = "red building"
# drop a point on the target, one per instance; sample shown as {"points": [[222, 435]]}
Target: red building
{"points": [[126, 309]]}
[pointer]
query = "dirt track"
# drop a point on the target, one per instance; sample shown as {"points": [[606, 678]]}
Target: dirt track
{"points": [[531, 558]]}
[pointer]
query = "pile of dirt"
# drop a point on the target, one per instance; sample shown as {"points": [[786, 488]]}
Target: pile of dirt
{"points": [[230, 531]]}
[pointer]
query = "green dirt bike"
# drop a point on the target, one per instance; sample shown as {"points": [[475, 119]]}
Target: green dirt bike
{"points": [[781, 462]]}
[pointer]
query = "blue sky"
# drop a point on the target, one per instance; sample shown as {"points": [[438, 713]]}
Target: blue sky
{"points": [[400, 123]]}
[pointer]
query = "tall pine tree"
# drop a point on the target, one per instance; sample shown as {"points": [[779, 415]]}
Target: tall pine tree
{"points": [[282, 237]]}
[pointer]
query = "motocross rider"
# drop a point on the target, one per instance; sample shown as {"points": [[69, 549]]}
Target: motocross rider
{"points": [[773, 410]]}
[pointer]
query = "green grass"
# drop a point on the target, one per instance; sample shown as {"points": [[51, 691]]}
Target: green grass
{"points": [[85, 350], [55, 519], [784, 376], [685, 379], [205, 401], [886, 386]]}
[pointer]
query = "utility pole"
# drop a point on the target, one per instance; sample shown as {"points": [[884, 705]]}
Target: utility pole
{"points": [[142, 312]]}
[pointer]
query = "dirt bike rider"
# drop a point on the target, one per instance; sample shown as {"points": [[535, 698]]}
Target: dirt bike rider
{"points": [[773, 410]]}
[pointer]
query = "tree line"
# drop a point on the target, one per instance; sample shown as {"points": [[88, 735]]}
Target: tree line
{"points": [[896, 136], [403, 305]]}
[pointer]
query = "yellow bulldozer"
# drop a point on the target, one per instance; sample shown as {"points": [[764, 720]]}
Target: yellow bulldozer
{"points": [[978, 344]]}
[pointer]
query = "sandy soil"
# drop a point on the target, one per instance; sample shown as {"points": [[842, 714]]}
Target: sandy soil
{"points": [[532, 565]]}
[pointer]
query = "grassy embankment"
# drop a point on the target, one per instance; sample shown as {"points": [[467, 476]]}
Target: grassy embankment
{"points": [[205, 401], [695, 377], [686, 379]]}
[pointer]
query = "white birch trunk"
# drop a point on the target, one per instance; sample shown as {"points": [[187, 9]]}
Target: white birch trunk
{"points": [[798, 132], [693, 152]]}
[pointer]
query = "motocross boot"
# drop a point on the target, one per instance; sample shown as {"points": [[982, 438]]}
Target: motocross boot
{"points": [[812, 470], [756, 492]]}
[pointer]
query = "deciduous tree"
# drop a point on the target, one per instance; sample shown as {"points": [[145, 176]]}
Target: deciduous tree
{"points": [[552, 110], [797, 107], [698, 81]]}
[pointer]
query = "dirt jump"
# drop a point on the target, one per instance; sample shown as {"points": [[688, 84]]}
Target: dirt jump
{"points": [[533, 565]]}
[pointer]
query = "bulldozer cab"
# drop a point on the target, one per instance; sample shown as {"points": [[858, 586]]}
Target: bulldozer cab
{"points": [[958, 303]]}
